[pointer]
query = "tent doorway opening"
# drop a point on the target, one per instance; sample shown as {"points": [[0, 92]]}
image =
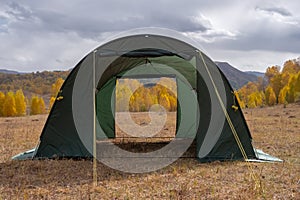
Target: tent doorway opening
{"points": [[145, 112]]}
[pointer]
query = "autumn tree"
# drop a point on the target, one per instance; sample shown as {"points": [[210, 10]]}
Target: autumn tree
{"points": [[123, 94], [2, 99], [275, 79], [20, 103], [166, 91], [240, 102], [56, 87], [9, 105], [37, 105], [51, 102], [42, 105], [292, 89], [282, 97], [165, 102], [283, 86], [34, 107], [272, 71], [132, 95], [173, 103], [246, 91], [297, 87], [291, 67], [252, 101], [270, 96], [255, 99], [169, 84], [276, 84]]}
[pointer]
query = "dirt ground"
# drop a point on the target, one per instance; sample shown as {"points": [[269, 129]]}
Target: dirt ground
{"points": [[275, 130]]}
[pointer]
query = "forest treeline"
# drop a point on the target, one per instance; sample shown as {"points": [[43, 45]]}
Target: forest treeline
{"points": [[38, 83], [134, 96], [14, 104], [23, 94], [278, 86], [34, 92]]}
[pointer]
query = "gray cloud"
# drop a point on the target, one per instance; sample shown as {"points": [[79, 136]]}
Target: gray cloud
{"points": [[272, 10], [58, 33], [18, 11], [284, 40], [109, 19]]}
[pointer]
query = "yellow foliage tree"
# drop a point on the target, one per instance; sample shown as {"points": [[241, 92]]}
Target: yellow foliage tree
{"points": [[285, 86], [297, 87], [270, 96], [276, 84], [164, 101], [166, 92], [142, 98], [37, 105], [297, 84], [20, 103], [292, 89], [283, 95], [291, 67], [255, 99], [173, 103], [251, 101], [123, 94], [9, 105], [169, 84], [240, 102], [51, 102], [272, 71], [247, 90], [2, 99], [42, 105], [56, 87]]}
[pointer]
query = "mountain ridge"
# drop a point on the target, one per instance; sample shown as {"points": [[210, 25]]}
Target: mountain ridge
{"points": [[258, 74], [6, 71], [236, 77]]}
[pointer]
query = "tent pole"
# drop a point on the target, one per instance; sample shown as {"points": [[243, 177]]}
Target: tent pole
{"points": [[94, 122]]}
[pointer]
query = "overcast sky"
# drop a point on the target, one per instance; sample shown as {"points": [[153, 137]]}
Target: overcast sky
{"points": [[38, 35]]}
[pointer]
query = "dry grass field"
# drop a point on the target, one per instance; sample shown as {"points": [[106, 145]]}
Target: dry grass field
{"points": [[276, 130]]}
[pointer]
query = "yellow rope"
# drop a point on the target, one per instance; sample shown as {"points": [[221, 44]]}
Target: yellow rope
{"points": [[236, 137]]}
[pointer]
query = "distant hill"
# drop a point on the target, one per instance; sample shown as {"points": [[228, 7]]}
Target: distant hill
{"points": [[236, 77], [258, 74], [38, 83], [5, 71]]}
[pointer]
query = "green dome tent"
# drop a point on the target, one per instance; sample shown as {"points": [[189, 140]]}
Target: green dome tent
{"points": [[208, 112]]}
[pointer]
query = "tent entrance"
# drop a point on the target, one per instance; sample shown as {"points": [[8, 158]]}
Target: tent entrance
{"points": [[146, 108], [123, 105]]}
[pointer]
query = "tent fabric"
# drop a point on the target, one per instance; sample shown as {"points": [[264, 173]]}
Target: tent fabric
{"points": [[68, 131]]}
